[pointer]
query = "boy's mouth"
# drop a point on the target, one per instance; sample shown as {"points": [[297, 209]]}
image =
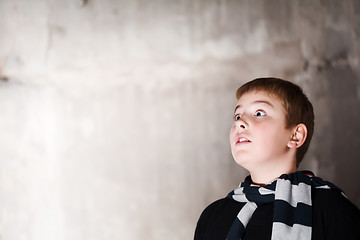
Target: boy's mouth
{"points": [[242, 139]]}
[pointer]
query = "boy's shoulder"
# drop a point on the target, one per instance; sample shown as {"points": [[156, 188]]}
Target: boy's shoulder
{"points": [[334, 215], [217, 218], [327, 199], [225, 207], [331, 202]]}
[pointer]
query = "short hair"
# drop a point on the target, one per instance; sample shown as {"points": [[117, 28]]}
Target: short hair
{"points": [[298, 108]]}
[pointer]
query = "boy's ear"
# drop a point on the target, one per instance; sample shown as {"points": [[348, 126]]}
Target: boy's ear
{"points": [[298, 137]]}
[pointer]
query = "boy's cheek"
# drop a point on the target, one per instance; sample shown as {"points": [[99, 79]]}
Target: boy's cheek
{"points": [[233, 130]]}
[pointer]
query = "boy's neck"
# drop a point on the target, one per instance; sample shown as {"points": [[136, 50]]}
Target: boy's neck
{"points": [[263, 176]]}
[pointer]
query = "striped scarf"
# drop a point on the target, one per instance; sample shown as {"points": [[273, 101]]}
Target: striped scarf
{"points": [[291, 194]]}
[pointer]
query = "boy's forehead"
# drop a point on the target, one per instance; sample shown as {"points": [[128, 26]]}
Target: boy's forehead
{"points": [[259, 97]]}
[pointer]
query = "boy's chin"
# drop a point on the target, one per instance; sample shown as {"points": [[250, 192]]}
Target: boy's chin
{"points": [[243, 163], [249, 163]]}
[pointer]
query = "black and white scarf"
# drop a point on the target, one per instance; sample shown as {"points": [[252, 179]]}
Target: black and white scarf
{"points": [[291, 194]]}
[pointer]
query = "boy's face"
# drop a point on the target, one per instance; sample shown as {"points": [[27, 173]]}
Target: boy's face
{"points": [[258, 137]]}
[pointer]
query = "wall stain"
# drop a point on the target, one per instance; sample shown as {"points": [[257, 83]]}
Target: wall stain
{"points": [[4, 78], [84, 2]]}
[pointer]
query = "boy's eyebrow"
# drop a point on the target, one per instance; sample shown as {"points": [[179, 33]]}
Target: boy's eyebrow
{"points": [[256, 102]]}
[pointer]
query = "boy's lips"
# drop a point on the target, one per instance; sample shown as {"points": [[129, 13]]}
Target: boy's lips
{"points": [[241, 139]]}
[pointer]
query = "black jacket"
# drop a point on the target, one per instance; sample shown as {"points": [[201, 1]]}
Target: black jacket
{"points": [[334, 217]]}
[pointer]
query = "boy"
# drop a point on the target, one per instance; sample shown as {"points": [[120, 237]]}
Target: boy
{"points": [[273, 126]]}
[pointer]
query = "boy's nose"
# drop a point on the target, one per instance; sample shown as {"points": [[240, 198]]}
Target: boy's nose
{"points": [[240, 125]]}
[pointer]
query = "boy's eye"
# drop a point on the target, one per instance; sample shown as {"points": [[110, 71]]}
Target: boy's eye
{"points": [[259, 113], [237, 117]]}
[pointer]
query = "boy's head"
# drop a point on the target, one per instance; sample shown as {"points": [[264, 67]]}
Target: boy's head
{"points": [[298, 108]]}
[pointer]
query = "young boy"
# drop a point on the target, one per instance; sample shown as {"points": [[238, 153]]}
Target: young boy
{"points": [[273, 126]]}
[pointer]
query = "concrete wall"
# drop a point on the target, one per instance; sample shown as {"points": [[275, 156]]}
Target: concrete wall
{"points": [[115, 114]]}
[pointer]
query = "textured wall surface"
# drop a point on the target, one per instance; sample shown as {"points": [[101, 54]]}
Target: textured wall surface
{"points": [[115, 114]]}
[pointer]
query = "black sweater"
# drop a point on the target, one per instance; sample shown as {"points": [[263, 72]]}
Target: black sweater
{"points": [[334, 217]]}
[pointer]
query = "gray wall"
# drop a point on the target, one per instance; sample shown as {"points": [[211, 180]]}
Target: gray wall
{"points": [[114, 115]]}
